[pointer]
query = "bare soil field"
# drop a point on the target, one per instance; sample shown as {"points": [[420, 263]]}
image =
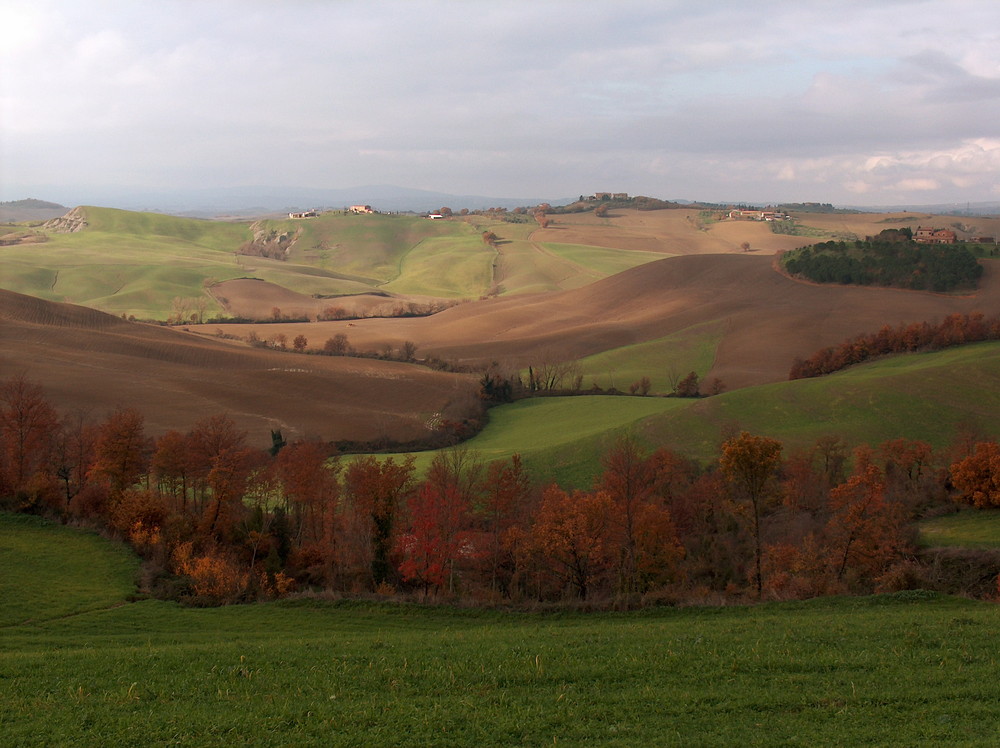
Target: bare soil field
{"points": [[769, 319], [682, 231], [93, 362]]}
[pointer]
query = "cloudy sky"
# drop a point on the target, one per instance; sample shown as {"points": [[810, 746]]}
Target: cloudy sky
{"points": [[865, 102]]}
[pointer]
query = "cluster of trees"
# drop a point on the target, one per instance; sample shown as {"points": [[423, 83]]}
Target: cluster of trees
{"points": [[891, 259], [338, 345], [219, 520], [955, 329]]}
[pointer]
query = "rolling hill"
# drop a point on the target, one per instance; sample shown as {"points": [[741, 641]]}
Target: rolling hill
{"points": [[754, 321], [91, 362]]}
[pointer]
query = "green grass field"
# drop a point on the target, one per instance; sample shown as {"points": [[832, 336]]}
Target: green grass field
{"points": [[137, 263], [661, 360], [560, 439], [927, 396], [970, 528], [906, 669]]}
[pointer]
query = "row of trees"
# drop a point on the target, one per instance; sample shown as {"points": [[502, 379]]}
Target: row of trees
{"points": [[219, 520], [953, 330]]}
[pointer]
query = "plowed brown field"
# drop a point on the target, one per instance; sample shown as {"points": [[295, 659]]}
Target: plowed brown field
{"points": [[90, 361]]}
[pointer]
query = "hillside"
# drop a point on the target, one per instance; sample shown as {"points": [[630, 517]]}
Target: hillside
{"points": [[91, 362], [30, 210], [754, 320]]}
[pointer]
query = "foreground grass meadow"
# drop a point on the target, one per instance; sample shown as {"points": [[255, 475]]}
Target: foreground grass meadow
{"points": [[81, 665]]}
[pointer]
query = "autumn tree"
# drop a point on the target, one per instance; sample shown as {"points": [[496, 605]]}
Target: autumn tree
{"points": [[208, 440], [750, 464], [506, 492], [435, 535], [28, 426], [171, 465], [571, 535], [374, 490], [865, 529], [122, 450], [299, 343], [74, 453], [688, 386], [227, 480], [309, 487], [644, 536], [977, 477]]}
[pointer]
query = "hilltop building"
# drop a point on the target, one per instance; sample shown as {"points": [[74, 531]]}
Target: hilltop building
{"points": [[361, 209], [304, 214], [929, 235], [757, 215]]}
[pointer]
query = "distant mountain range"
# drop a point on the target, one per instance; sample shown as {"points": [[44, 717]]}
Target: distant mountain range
{"points": [[990, 208], [30, 209]]}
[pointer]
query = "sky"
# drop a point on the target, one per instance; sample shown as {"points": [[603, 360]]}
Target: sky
{"points": [[853, 102]]}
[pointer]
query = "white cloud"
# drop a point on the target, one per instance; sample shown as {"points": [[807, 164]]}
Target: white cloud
{"points": [[671, 98]]}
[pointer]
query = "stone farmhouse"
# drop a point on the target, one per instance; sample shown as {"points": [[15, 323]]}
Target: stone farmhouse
{"points": [[929, 235]]}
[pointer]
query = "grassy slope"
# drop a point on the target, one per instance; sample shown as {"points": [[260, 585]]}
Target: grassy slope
{"points": [[51, 571], [560, 438], [661, 360], [970, 528], [126, 262], [927, 396], [907, 669], [137, 263], [920, 396]]}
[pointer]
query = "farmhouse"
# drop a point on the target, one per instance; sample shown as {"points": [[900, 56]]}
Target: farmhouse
{"points": [[304, 214], [929, 235], [757, 215], [361, 209]]}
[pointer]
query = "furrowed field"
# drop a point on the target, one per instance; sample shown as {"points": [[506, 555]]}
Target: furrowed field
{"points": [[906, 669]]}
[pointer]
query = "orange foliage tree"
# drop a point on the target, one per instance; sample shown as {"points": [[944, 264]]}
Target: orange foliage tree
{"points": [[374, 490], [751, 463], [28, 426], [122, 450], [865, 530], [436, 536], [507, 491], [977, 477], [571, 536]]}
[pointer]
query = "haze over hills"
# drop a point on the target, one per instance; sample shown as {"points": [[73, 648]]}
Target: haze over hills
{"points": [[260, 200]]}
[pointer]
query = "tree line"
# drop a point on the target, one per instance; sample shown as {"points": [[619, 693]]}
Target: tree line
{"points": [[953, 330], [218, 520]]}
